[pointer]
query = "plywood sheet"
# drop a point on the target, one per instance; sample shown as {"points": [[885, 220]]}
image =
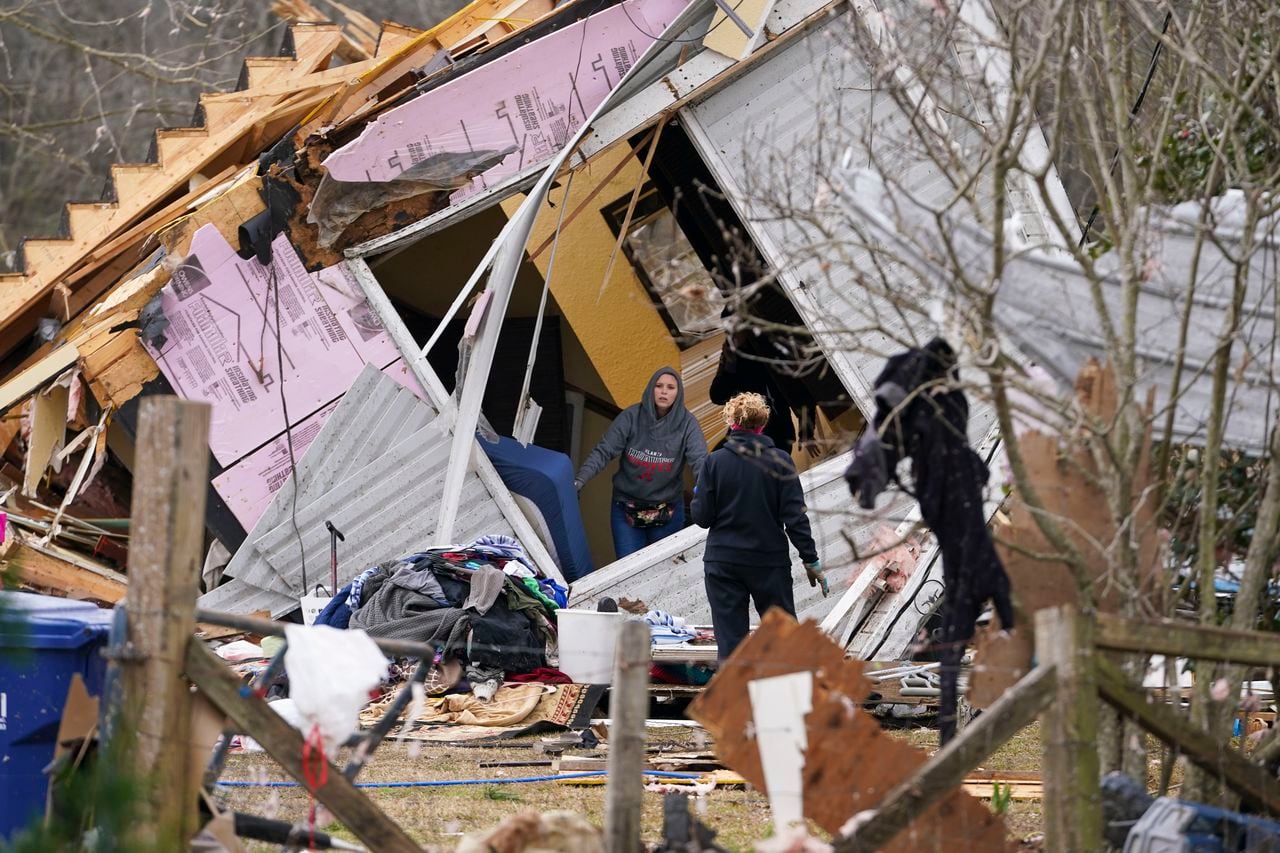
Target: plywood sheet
{"points": [[1067, 479], [850, 763], [48, 432]]}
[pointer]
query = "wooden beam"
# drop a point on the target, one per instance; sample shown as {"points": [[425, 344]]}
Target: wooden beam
{"points": [[115, 250], [35, 376], [950, 766], [1215, 756], [1069, 732], [139, 186], [288, 86], [34, 566], [1177, 639], [283, 743], [166, 547]]}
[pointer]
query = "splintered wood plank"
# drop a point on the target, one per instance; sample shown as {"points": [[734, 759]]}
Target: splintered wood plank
{"points": [[236, 204], [37, 568], [37, 374], [118, 368], [778, 647], [48, 431], [1067, 481], [287, 85], [110, 260], [140, 186], [857, 764], [850, 764], [283, 119], [952, 765], [413, 53]]}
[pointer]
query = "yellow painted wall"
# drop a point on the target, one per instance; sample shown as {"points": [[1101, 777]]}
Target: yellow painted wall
{"points": [[618, 326]]}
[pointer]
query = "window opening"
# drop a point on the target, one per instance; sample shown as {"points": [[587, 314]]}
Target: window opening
{"points": [[664, 260]]}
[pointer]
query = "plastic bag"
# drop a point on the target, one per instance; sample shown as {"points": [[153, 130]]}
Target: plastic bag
{"points": [[331, 672]]}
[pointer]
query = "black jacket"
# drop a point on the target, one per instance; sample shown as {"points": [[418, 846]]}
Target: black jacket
{"points": [[737, 374], [747, 494]]}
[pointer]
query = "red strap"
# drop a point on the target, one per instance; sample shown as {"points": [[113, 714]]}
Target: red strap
{"points": [[315, 768], [315, 772]]}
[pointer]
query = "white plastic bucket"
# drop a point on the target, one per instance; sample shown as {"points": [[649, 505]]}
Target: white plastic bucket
{"points": [[587, 641]]}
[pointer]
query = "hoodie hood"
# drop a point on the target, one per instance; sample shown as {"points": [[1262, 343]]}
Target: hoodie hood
{"points": [[675, 419]]}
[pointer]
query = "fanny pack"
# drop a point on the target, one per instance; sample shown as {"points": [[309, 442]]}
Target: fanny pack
{"points": [[642, 514]]}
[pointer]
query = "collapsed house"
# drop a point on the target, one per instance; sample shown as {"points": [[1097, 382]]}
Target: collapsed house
{"points": [[307, 260]]}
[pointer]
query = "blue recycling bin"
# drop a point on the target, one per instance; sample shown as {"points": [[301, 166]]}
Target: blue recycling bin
{"points": [[43, 642]]}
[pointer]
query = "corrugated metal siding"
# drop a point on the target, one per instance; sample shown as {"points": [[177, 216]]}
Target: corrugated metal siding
{"points": [[376, 471], [771, 138], [1050, 311]]}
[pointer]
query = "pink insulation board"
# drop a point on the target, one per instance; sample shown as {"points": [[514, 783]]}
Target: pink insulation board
{"points": [[532, 98], [249, 485], [220, 347]]}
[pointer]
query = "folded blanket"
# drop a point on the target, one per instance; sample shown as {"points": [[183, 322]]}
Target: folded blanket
{"points": [[666, 629]]}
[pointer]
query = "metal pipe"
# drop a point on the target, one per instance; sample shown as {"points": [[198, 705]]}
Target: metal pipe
{"points": [[267, 628], [920, 691], [380, 730], [900, 671]]}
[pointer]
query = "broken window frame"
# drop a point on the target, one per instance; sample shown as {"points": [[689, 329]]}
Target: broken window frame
{"points": [[649, 206]]}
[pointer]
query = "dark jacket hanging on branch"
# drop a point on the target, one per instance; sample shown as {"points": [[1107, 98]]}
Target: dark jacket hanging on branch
{"points": [[922, 414]]}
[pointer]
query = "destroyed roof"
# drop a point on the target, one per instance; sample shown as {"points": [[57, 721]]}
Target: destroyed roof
{"points": [[704, 67], [292, 95]]}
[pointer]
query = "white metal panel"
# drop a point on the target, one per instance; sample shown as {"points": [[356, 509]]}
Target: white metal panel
{"points": [[771, 138], [376, 470], [668, 575]]}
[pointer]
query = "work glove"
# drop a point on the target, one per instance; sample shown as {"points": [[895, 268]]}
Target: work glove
{"points": [[814, 571]]}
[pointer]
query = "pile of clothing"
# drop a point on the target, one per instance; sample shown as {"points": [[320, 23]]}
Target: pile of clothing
{"points": [[484, 606]]}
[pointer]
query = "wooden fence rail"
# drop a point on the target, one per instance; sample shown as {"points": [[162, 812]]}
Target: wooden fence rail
{"points": [[1073, 674]]}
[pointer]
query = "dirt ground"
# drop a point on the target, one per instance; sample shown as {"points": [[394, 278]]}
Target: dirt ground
{"points": [[438, 817]]}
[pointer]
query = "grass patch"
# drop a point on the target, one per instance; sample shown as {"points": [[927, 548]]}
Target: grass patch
{"points": [[438, 817], [502, 795]]}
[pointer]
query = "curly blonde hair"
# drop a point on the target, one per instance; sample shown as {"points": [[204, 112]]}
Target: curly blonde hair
{"points": [[747, 410]]}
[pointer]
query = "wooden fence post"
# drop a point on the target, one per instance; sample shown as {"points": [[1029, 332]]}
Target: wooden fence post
{"points": [[166, 547], [628, 707], [1068, 731]]}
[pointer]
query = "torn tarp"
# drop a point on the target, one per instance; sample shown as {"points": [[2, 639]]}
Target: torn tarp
{"points": [[338, 203]]}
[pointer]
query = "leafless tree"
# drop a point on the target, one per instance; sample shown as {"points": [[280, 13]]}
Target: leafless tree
{"points": [[85, 84], [1000, 149]]}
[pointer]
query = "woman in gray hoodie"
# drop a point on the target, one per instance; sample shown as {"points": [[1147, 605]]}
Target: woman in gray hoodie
{"points": [[656, 438]]}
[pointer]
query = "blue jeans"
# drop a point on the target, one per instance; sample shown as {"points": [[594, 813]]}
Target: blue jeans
{"points": [[628, 539]]}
